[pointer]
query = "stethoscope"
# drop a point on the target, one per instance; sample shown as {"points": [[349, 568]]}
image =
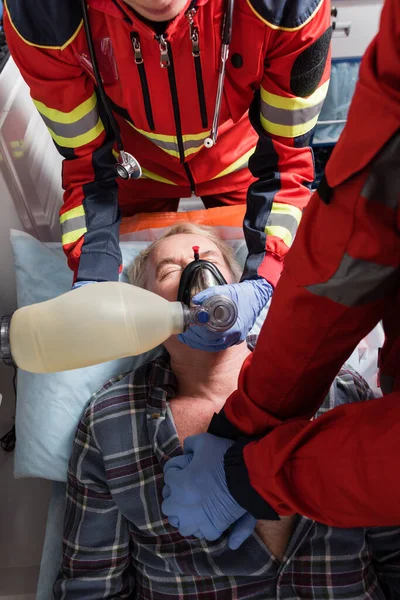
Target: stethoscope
{"points": [[127, 166]]}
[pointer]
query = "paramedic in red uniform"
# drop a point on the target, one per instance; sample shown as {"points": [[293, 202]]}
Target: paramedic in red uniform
{"points": [[159, 63], [342, 277]]}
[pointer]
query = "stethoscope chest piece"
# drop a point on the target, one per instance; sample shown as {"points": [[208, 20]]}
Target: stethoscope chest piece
{"points": [[128, 167]]}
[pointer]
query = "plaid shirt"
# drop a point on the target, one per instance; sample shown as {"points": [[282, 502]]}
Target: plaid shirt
{"points": [[118, 544]]}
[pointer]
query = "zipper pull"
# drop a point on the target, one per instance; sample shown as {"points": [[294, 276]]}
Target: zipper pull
{"points": [[164, 55], [137, 50], [193, 32]]}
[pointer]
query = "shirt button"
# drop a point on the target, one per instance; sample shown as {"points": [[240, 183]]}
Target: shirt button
{"points": [[155, 415]]}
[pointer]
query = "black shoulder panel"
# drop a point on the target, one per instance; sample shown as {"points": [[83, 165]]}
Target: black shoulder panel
{"points": [[49, 23], [309, 66], [285, 14]]}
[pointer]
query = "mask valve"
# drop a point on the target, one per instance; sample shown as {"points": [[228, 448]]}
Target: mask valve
{"points": [[217, 313]]}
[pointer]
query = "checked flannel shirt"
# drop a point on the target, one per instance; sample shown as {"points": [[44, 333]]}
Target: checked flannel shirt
{"points": [[118, 544]]}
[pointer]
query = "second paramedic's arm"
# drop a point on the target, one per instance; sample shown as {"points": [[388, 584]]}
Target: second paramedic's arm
{"points": [[66, 100], [284, 113], [96, 553], [333, 291], [342, 270], [340, 278]]}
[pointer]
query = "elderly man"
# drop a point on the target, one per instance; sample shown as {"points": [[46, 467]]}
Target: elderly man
{"points": [[117, 543]]}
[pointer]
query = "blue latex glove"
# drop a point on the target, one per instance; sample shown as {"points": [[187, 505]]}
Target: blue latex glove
{"points": [[250, 298], [196, 496], [79, 284]]}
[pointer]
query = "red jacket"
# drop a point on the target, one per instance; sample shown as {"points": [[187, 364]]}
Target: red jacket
{"points": [[341, 277], [279, 66]]}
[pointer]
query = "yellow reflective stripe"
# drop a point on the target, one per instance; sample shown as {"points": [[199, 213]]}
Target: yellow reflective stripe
{"points": [[78, 211], [238, 164], [79, 140], [67, 117], [154, 136], [310, 18], [161, 141], [195, 136], [156, 177], [280, 232], [171, 152], [171, 138], [73, 236], [67, 43], [295, 103], [287, 209], [289, 131], [190, 151]]}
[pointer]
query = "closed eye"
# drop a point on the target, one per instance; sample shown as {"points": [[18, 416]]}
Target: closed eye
{"points": [[166, 272]]}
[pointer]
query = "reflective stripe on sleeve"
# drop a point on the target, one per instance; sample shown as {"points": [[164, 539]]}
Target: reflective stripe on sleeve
{"points": [[283, 222], [357, 282], [73, 225], [73, 236], [72, 129], [291, 117]]}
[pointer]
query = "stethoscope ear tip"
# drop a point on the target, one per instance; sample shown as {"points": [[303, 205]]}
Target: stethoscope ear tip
{"points": [[209, 142]]}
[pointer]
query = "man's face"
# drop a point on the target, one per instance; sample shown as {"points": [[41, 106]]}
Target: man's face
{"points": [[170, 257], [158, 10]]}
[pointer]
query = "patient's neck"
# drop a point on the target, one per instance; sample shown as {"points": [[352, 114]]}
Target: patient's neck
{"points": [[211, 376]]}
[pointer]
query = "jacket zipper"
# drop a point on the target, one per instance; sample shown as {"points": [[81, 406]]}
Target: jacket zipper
{"points": [[167, 62], [194, 37], [143, 79]]}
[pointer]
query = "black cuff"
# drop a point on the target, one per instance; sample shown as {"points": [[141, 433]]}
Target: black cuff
{"points": [[98, 266], [238, 481], [222, 427]]}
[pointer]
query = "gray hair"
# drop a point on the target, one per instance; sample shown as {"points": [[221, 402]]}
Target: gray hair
{"points": [[137, 270]]}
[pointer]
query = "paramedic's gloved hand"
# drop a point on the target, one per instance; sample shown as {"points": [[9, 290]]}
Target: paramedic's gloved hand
{"points": [[250, 298], [196, 496], [79, 284]]}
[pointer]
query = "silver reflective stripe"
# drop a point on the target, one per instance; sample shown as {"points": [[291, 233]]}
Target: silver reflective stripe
{"points": [[357, 282], [387, 383], [165, 145], [193, 144], [71, 130], [383, 183], [174, 146], [282, 116], [286, 221], [73, 224]]}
